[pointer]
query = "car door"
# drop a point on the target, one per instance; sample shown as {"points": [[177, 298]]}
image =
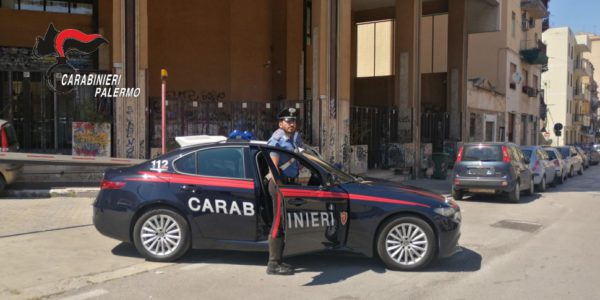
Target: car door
{"points": [[219, 191], [549, 168], [315, 213]]}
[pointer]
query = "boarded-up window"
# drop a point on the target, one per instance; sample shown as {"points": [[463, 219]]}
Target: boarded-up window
{"points": [[374, 48]]}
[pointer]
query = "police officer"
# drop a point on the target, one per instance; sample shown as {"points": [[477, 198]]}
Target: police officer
{"points": [[285, 137]]}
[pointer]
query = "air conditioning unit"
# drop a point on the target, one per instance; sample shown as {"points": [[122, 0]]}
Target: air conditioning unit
{"points": [[532, 92]]}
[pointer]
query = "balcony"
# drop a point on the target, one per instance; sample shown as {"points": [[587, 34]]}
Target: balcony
{"points": [[534, 52], [537, 9], [583, 67], [581, 119]]}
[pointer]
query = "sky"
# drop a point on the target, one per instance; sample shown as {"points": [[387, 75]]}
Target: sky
{"points": [[580, 15]]}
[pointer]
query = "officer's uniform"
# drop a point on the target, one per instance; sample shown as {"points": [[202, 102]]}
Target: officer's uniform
{"points": [[289, 169]]}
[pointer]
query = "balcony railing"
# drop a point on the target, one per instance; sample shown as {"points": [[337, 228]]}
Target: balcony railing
{"points": [[535, 8], [534, 52]]}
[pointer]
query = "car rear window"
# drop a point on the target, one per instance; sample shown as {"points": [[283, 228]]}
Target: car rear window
{"points": [[526, 152], [482, 153], [551, 154], [566, 152]]}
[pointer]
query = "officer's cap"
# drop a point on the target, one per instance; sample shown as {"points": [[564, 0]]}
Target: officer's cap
{"points": [[287, 114]]}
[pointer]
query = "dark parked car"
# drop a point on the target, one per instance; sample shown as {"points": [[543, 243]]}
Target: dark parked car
{"points": [[214, 196], [492, 168]]}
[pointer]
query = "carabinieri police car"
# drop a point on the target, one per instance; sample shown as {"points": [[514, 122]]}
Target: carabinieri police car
{"points": [[212, 194]]}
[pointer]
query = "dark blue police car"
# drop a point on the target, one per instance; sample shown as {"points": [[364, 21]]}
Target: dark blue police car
{"points": [[213, 195]]}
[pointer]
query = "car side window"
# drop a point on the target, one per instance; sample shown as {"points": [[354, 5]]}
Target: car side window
{"points": [[221, 162], [186, 164], [307, 175]]}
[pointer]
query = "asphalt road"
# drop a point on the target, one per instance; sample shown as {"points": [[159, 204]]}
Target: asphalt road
{"points": [[543, 248]]}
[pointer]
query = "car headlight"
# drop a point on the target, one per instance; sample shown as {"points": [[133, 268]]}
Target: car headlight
{"points": [[445, 211]]}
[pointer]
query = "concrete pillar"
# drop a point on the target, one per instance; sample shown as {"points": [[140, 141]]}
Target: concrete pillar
{"points": [[331, 38], [408, 81], [457, 69], [130, 113]]}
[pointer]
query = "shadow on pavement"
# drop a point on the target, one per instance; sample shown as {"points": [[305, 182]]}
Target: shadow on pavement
{"points": [[331, 267], [500, 199]]}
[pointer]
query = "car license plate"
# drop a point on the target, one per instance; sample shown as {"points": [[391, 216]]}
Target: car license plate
{"points": [[481, 172], [483, 191]]}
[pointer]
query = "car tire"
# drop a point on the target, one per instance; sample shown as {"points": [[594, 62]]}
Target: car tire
{"points": [[156, 225], [580, 172], [571, 172], [391, 243], [562, 178], [542, 186], [457, 194], [514, 196], [2, 183], [531, 190]]}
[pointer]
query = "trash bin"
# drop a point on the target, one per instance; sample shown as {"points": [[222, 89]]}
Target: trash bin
{"points": [[440, 162]]}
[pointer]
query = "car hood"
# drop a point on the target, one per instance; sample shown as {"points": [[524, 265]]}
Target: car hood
{"points": [[392, 192]]}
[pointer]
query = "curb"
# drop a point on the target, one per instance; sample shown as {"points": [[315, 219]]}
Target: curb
{"points": [[53, 192]]}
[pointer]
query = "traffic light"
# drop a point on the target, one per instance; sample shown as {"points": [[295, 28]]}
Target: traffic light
{"points": [[557, 128]]}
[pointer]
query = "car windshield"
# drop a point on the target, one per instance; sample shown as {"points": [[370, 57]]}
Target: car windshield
{"points": [[341, 175], [482, 153], [526, 152]]}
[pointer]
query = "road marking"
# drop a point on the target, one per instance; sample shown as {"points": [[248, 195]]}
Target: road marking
{"points": [[87, 295]]}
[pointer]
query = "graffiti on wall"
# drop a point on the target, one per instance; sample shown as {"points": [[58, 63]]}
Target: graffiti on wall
{"points": [[91, 139], [359, 159], [130, 133]]}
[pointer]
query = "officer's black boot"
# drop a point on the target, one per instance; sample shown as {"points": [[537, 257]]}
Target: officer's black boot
{"points": [[275, 266]]}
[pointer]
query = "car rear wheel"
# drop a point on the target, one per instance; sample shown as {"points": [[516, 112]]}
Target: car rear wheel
{"points": [[2, 183], [406, 244], [542, 186], [515, 195], [457, 194], [161, 235]]}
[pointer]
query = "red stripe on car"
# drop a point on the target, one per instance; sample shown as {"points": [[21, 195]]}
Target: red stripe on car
{"points": [[355, 197]]}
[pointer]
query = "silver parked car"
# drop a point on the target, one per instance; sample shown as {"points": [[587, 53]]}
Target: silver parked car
{"points": [[559, 163], [8, 143], [544, 171], [573, 160]]}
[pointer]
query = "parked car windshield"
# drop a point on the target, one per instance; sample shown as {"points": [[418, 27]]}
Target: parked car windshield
{"points": [[551, 154], [482, 153]]}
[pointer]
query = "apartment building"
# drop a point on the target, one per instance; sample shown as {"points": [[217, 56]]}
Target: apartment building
{"points": [[568, 86], [594, 58], [504, 71]]}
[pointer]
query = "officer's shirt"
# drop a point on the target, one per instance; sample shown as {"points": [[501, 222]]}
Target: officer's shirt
{"points": [[279, 139]]}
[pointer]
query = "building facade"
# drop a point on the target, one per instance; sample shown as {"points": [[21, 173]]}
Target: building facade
{"points": [[568, 85], [380, 79], [504, 71]]}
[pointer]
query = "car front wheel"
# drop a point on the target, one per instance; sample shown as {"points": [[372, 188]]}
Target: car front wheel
{"points": [[161, 235], [580, 172], [406, 243]]}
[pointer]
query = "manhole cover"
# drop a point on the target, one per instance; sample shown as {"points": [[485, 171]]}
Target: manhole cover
{"points": [[518, 225]]}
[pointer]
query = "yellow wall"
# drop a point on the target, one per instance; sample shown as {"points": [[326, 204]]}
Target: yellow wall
{"points": [[250, 50], [20, 27]]}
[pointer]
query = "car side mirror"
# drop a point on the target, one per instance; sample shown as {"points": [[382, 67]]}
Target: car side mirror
{"points": [[330, 181]]}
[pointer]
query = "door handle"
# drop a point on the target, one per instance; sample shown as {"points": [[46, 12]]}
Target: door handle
{"points": [[190, 188], [296, 201]]}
